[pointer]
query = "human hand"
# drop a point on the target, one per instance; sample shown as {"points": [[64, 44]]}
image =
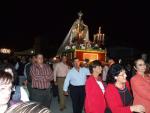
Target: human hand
{"points": [[137, 108], [55, 83], [25, 82], [66, 93]]}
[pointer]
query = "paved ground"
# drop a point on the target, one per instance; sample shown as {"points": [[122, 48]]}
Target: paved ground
{"points": [[55, 106]]}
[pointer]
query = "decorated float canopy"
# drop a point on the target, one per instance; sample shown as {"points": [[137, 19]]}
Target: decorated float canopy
{"points": [[77, 43]]}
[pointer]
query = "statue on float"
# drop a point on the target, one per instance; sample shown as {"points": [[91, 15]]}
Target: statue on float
{"points": [[77, 37], [79, 33]]}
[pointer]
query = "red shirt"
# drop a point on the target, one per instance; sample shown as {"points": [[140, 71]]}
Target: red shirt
{"points": [[114, 101], [41, 76], [94, 100]]}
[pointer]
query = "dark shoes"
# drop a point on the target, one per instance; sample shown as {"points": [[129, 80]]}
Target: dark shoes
{"points": [[62, 109]]}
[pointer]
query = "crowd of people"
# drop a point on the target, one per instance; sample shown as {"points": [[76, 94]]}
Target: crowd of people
{"points": [[94, 87]]}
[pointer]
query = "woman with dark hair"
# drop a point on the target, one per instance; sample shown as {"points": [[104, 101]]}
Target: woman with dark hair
{"points": [[117, 94], [10, 69], [140, 84], [18, 94], [94, 88]]}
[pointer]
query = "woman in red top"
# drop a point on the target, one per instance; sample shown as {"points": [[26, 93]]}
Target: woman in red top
{"points": [[94, 88], [140, 84], [117, 94]]}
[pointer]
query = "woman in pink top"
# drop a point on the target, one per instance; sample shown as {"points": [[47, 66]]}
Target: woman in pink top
{"points": [[140, 84]]}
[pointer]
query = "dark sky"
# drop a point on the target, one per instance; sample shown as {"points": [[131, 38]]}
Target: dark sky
{"points": [[125, 23]]}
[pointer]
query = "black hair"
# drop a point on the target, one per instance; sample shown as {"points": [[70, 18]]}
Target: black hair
{"points": [[114, 59], [14, 76], [147, 72], [113, 72], [94, 64], [5, 77], [136, 60], [87, 60], [38, 54], [63, 55], [75, 59]]}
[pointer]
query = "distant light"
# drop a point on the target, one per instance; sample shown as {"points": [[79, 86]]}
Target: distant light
{"points": [[32, 51], [5, 51], [54, 58]]}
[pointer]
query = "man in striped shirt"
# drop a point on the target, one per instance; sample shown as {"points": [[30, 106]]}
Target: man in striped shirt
{"points": [[41, 76]]}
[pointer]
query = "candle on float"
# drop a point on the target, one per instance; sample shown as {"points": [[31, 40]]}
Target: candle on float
{"points": [[103, 36], [78, 28], [78, 25], [100, 37], [94, 38]]}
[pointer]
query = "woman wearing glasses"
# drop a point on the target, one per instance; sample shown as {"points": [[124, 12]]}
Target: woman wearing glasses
{"points": [[117, 94], [140, 84]]}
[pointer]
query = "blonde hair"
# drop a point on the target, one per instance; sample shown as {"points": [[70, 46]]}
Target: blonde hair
{"points": [[28, 107]]}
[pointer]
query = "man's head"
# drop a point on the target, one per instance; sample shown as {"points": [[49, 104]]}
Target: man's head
{"points": [[64, 59], [39, 58], [111, 61], [144, 56], [76, 62], [85, 63]]}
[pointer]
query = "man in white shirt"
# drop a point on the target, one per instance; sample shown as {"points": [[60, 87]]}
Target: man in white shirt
{"points": [[60, 71], [76, 78]]}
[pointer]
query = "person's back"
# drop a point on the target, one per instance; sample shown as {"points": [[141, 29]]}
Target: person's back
{"points": [[27, 71]]}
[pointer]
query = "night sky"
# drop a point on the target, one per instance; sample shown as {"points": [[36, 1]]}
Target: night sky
{"points": [[125, 23]]}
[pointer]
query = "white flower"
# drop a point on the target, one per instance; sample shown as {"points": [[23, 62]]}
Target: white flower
{"points": [[96, 45], [67, 47], [73, 47]]}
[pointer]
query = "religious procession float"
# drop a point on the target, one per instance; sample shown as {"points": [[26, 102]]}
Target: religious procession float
{"points": [[77, 43]]}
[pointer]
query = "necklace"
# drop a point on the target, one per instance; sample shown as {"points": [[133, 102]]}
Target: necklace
{"points": [[123, 93]]}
